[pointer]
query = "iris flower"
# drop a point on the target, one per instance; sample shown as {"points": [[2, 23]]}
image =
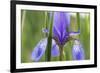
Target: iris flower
{"points": [[61, 26], [40, 49], [78, 51], [61, 35]]}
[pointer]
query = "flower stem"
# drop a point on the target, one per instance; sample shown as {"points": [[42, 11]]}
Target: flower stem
{"points": [[23, 18], [49, 43], [61, 53]]}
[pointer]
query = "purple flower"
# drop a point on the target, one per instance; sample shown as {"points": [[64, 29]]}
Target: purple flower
{"points": [[40, 49], [78, 51], [61, 26], [61, 34]]}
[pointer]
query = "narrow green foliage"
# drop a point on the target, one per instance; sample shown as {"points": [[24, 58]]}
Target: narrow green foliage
{"points": [[49, 43], [23, 18], [46, 20], [78, 19]]}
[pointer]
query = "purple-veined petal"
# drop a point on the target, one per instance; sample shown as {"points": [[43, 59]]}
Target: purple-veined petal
{"points": [[55, 49], [40, 49], [78, 51], [60, 25]]}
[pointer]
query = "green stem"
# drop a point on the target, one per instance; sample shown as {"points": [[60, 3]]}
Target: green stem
{"points": [[78, 21], [23, 18], [49, 43], [61, 53], [46, 20]]}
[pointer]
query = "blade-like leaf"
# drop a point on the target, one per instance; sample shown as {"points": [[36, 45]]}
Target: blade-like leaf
{"points": [[78, 20], [49, 43]]}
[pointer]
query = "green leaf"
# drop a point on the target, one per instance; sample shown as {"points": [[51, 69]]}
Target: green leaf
{"points": [[49, 42], [85, 34], [31, 34], [78, 19]]}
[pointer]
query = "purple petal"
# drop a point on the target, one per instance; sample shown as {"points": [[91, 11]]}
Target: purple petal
{"points": [[78, 51], [55, 49], [60, 25], [40, 49]]}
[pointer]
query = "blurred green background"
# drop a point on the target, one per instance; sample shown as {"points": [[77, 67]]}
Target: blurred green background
{"points": [[33, 21]]}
